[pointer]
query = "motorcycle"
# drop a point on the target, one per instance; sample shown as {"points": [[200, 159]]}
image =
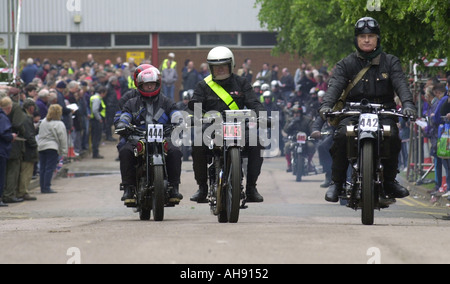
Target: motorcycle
{"points": [[302, 164], [152, 190], [226, 190], [367, 147]]}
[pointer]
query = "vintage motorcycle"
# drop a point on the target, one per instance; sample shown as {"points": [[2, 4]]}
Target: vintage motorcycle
{"points": [[152, 190], [367, 147], [302, 165]]}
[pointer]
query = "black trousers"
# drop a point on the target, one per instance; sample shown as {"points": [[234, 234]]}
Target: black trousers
{"points": [[128, 163], [96, 136], [339, 151]]}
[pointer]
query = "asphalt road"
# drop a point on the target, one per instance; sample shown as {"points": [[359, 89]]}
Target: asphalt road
{"points": [[85, 222]]}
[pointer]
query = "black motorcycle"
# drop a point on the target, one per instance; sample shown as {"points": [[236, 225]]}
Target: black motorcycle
{"points": [[152, 190], [367, 147], [302, 164]]}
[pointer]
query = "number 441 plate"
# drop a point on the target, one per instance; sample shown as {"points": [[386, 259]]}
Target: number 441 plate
{"points": [[155, 133]]}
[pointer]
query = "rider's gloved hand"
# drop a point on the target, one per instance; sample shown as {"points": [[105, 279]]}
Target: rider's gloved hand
{"points": [[122, 127], [410, 112], [324, 110]]}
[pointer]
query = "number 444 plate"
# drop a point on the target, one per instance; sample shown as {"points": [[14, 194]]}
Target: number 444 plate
{"points": [[155, 133]]}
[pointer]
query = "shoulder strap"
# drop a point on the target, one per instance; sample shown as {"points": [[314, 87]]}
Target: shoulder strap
{"points": [[223, 95], [354, 82]]}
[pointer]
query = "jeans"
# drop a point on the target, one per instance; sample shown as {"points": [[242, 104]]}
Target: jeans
{"points": [[168, 91], [48, 161]]}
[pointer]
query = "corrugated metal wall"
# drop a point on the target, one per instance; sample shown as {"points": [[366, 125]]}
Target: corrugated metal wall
{"points": [[56, 16]]}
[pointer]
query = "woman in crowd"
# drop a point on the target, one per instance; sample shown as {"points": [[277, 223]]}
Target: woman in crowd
{"points": [[52, 144]]}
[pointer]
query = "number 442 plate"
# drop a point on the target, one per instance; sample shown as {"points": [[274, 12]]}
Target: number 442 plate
{"points": [[368, 122], [155, 133]]}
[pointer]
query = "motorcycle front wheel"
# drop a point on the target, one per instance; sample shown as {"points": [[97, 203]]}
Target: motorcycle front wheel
{"points": [[233, 190], [367, 183], [158, 195]]}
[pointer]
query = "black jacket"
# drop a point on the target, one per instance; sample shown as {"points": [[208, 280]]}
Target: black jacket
{"points": [[135, 110], [378, 85], [239, 88]]}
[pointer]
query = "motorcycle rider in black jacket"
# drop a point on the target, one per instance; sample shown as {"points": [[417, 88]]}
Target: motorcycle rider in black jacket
{"points": [[221, 63], [151, 107], [382, 81]]}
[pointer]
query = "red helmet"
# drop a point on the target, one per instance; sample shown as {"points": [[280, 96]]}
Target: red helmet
{"points": [[150, 75], [138, 70]]}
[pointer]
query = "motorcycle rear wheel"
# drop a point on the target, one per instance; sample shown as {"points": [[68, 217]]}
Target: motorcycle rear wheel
{"points": [[367, 183]]}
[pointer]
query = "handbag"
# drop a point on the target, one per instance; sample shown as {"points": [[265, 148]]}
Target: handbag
{"points": [[340, 104], [443, 143]]}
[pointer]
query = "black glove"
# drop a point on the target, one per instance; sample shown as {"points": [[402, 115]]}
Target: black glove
{"points": [[410, 112], [122, 128], [324, 110]]}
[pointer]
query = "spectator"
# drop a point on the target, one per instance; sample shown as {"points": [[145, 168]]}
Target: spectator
{"points": [[265, 75], [169, 62], [204, 70], [52, 143], [29, 72], [287, 84], [17, 118], [90, 61], [30, 156], [246, 71], [6, 138], [275, 69], [98, 114], [190, 77], [169, 77], [112, 105]]}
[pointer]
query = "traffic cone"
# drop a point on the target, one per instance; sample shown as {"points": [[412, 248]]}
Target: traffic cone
{"points": [[428, 162]]}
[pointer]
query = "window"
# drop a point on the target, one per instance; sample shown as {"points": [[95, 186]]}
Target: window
{"points": [[177, 39], [259, 39], [47, 40], [90, 40], [219, 39], [132, 40]]}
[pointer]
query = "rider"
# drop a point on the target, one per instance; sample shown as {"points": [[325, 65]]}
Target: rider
{"points": [[383, 80], [150, 107], [221, 63], [298, 123]]}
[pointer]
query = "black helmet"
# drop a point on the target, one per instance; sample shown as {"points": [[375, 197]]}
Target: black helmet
{"points": [[367, 25]]}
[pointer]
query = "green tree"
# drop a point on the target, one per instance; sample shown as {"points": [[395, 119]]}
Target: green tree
{"points": [[410, 29]]}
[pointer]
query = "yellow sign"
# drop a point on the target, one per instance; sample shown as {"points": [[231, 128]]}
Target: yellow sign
{"points": [[138, 56]]}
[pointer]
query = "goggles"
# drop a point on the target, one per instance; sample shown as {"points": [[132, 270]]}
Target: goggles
{"points": [[371, 24]]}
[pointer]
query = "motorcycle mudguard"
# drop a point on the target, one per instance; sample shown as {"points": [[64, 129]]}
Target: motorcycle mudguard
{"points": [[158, 160], [367, 135]]}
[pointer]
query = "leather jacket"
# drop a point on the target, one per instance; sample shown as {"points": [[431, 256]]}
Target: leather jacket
{"points": [[383, 80]]}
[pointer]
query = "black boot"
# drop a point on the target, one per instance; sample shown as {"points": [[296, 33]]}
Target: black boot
{"points": [[175, 196], [201, 194], [395, 190], [332, 194], [253, 194], [128, 195]]}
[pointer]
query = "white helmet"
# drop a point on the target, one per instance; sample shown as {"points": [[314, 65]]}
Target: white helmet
{"points": [[265, 87], [220, 55]]}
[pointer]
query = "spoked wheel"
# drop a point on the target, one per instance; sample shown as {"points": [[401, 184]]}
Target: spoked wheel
{"points": [[367, 183], [233, 189], [158, 195]]}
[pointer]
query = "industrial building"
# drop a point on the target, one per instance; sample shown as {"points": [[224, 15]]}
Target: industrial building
{"points": [[145, 29]]}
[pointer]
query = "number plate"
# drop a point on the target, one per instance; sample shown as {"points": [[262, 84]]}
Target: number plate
{"points": [[155, 133], [232, 131], [368, 122], [301, 137]]}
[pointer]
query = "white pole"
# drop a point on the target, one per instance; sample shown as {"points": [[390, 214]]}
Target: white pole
{"points": [[16, 50]]}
